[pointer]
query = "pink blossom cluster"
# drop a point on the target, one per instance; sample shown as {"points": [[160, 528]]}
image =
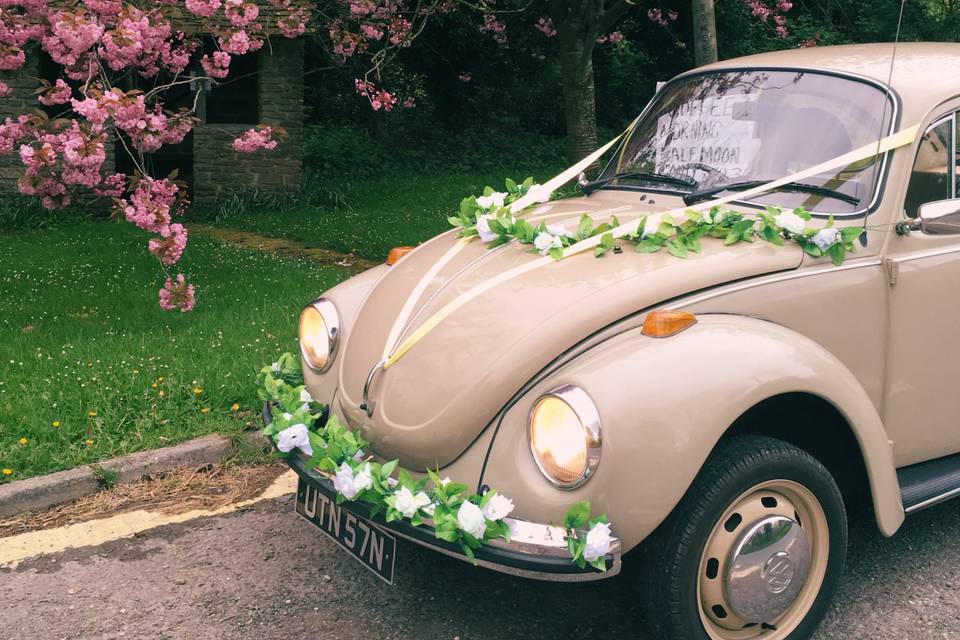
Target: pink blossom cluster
{"points": [[495, 27], [240, 13], [255, 139], [203, 8], [153, 203], [55, 159], [771, 13], [112, 186], [5, 90], [464, 77], [177, 293], [239, 42], [658, 16], [58, 93], [216, 65], [379, 98], [613, 38], [169, 246], [545, 26]]}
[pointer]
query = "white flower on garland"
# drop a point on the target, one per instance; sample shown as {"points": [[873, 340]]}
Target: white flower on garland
{"points": [[497, 508], [599, 542], [538, 193], [483, 228], [791, 222], [546, 241], [275, 367], [472, 520], [826, 237], [295, 437], [306, 399], [494, 199], [349, 484], [408, 504]]}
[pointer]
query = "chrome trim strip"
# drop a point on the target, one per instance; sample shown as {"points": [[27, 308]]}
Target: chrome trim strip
{"points": [[331, 319], [757, 282], [928, 253], [586, 411], [929, 502]]}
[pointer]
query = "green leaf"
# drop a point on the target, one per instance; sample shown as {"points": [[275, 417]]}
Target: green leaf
{"points": [[511, 186], [849, 234], [449, 535], [650, 244], [585, 227], [387, 468], [676, 248], [577, 515], [803, 213], [556, 253], [837, 253], [456, 221]]}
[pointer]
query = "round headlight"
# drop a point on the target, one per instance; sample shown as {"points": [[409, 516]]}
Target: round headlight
{"points": [[319, 334], [565, 436]]}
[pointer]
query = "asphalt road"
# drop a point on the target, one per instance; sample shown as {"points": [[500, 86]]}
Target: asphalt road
{"points": [[263, 573]]}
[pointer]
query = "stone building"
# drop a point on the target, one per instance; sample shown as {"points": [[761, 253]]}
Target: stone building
{"points": [[263, 87]]}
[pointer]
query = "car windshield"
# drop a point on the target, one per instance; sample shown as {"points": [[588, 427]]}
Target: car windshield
{"points": [[738, 128]]}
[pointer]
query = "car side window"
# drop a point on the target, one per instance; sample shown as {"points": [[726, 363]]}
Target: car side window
{"points": [[933, 172]]}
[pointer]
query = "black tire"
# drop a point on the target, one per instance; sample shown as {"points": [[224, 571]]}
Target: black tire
{"points": [[671, 557]]}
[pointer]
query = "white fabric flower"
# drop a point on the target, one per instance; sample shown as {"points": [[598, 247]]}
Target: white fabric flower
{"points": [[408, 504], [556, 230], [363, 481], [538, 193], [445, 481], [471, 519], [483, 228], [275, 367], [497, 508], [305, 395], [546, 241], [826, 237], [791, 222], [343, 482], [430, 509], [359, 455], [649, 227], [294, 437], [287, 416], [494, 199], [599, 542], [392, 482]]}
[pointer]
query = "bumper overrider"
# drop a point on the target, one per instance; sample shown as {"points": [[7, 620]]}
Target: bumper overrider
{"points": [[535, 550]]}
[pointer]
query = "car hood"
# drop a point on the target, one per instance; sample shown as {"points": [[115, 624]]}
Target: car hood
{"points": [[432, 403]]}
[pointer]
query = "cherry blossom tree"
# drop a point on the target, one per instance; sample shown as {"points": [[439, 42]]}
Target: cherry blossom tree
{"points": [[108, 51]]}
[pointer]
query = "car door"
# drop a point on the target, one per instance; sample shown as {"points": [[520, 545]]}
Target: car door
{"points": [[922, 398]]}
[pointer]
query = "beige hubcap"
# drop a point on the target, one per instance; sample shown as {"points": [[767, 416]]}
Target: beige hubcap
{"points": [[764, 563]]}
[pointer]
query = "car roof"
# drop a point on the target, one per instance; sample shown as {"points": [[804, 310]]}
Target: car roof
{"points": [[923, 72]]}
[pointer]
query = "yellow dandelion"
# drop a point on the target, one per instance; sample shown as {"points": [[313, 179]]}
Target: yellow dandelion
{"points": [[197, 391], [88, 442], [235, 407], [55, 424], [91, 414], [153, 386], [160, 379], [23, 441], [7, 472], [205, 410]]}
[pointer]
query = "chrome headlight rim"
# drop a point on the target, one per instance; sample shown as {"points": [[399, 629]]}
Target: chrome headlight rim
{"points": [[331, 320], [586, 411]]}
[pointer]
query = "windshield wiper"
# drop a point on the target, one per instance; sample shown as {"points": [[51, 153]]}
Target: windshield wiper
{"points": [[641, 175], [703, 194]]}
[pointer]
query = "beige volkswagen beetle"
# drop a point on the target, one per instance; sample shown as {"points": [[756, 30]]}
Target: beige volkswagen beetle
{"points": [[722, 410]]}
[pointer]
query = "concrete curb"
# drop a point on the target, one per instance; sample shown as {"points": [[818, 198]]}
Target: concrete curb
{"points": [[63, 486]]}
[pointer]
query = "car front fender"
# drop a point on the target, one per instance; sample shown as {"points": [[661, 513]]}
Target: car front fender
{"points": [[664, 403]]}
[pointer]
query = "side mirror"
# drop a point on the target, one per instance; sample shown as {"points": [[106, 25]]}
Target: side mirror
{"points": [[941, 217]]}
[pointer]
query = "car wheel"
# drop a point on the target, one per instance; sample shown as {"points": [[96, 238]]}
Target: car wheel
{"points": [[754, 549]]}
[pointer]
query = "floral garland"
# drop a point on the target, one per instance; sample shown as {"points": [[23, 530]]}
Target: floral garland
{"points": [[457, 515], [489, 218]]}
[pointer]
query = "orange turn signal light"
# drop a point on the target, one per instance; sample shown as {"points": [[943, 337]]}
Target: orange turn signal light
{"points": [[663, 324], [396, 253]]}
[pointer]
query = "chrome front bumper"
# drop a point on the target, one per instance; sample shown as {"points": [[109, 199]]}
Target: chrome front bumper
{"points": [[535, 550]]}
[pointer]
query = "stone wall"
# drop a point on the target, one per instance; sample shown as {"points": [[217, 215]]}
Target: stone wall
{"points": [[219, 171], [22, 101]]}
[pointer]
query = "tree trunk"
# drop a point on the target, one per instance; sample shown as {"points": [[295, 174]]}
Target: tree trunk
{"points": [[704, 32], [579, 95]]}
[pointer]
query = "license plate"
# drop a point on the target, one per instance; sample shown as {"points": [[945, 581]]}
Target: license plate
{"points": [[365, 541]]}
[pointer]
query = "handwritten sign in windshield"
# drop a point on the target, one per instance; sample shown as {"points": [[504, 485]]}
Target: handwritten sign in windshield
{"points": [[717, 131]]}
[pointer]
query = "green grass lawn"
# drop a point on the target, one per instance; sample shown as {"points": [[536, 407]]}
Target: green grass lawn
{"points": [[91, 367], [382, 213]]}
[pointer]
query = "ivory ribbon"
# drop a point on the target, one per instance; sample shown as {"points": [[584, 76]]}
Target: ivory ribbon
{"points": [[517, 205], [899, 139]]}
